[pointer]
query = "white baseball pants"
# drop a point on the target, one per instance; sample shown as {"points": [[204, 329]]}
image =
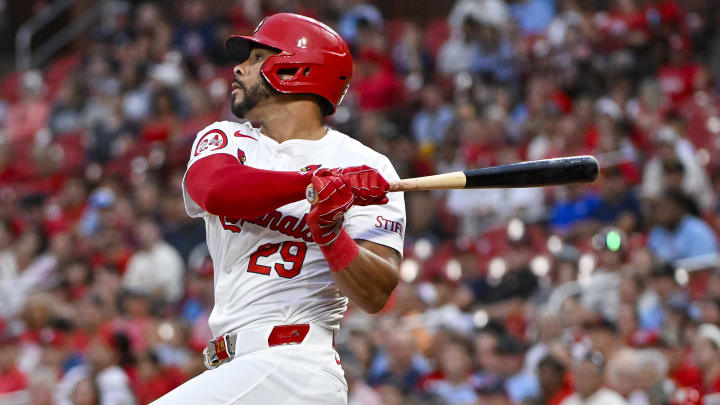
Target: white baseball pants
{"points": [[301, 374]]}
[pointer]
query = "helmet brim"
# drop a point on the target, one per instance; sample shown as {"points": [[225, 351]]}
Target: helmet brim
{"points": [[238, 47]]}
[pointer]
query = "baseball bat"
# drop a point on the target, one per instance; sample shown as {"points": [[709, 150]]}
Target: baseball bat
{"points": [[536, 173]]}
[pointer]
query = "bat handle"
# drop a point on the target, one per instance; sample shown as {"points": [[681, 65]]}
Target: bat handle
{"points": [[395, 186]]}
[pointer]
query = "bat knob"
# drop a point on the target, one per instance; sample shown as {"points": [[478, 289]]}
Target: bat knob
{"points": [[311, 194]]}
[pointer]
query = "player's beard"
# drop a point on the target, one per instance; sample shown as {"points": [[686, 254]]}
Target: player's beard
{"points": [[251, 98]]}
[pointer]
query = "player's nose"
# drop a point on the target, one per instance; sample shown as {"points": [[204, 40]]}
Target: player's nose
{"points": [[240, 70]]}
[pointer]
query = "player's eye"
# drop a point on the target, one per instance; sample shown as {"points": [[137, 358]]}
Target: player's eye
{"points": [[258, 57]]}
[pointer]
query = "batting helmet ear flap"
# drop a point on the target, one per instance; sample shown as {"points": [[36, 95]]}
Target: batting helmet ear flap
{"points": [[298, 77]]}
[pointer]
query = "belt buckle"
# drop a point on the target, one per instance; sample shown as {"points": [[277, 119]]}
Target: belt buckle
{"points": [[211, 361], [217, 351]]}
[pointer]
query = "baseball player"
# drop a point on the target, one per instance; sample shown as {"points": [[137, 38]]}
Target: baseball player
{"points": [[284, 269]]}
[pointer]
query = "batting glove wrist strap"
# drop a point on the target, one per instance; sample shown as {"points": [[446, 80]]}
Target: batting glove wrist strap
{"points": [[341, 252]]}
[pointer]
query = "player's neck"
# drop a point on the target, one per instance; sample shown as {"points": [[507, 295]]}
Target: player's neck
{"points": [[284, 130], [296, 120]]}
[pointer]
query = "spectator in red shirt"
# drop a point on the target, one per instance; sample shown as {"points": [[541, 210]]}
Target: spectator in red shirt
{"points": [[625, 23], [681, 370], [155, 380], [706, 354], [677, 77], [663, 13], [164, 125], [68, 207], [30, 114], [376, 85], [11, 378]]}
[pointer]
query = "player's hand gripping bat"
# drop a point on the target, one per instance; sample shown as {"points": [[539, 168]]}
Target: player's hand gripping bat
{"points": [[536, 173]]}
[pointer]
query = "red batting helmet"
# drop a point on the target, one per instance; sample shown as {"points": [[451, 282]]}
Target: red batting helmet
{"points": [[317, 56]]}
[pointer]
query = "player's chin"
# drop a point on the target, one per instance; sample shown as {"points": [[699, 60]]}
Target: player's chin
{"points": [[237, 97], [238, 107]]}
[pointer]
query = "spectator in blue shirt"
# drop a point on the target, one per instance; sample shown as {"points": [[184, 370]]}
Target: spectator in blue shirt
{"points": [[432, 122], [520, 385], [356, 16], [494, 56], [618, 204], [578, 206], [401, 365], [533, 16], [678, 234]]}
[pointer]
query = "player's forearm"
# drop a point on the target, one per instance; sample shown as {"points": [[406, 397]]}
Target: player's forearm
{"points": [[222, 186], [368, 281]]}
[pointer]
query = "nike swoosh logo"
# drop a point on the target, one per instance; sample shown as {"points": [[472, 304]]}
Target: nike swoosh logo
{"points": [[239, 134]]}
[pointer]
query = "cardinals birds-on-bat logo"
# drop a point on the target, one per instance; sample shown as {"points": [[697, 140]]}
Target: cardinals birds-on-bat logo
{"points": [[309, 169]]}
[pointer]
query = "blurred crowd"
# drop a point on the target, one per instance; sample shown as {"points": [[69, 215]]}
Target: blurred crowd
{"points": [[606, 293]]}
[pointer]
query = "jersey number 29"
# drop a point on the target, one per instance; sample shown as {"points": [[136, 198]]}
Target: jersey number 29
{"points": [[292, 253]]}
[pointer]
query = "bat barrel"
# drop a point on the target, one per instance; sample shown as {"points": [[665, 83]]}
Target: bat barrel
{"points": [[538, 173]]}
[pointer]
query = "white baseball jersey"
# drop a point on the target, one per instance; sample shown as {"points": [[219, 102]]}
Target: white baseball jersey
{"points": [[268, 271]]}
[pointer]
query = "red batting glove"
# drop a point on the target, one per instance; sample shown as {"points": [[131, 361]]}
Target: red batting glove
{"points": [[334, 199], [325, 220], [367, 185]]}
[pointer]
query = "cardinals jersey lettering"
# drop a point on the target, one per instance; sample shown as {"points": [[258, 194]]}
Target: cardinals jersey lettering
{"points": [[268, 270]]}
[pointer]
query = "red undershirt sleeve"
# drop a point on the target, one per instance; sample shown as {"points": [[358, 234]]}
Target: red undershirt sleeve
{"points": [[221, 185]]}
